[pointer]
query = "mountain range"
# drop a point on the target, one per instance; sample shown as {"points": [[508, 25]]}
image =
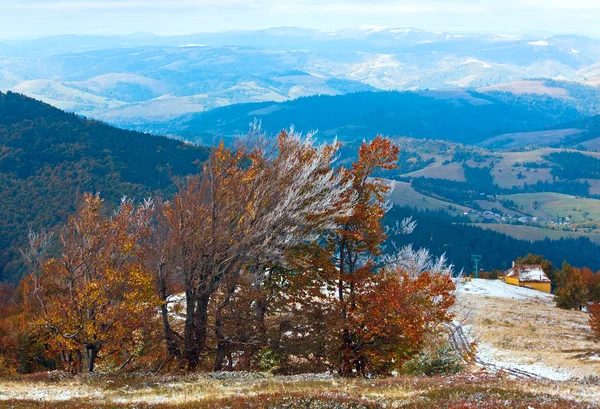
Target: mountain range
{"points": [[482, 116], [49, 158], [144, 79]]}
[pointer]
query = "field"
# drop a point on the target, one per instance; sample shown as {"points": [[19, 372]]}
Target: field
{"points": [[437, 170], [528, 87], [521, 328], [321, 391], [505, 171], [522, 140], [529, 355], [531, 233], [405, 195], [549, 206]]}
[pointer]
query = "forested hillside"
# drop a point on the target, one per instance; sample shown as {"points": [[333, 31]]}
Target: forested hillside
{"points": [[442, 233], [49, 158], [459, 116]]}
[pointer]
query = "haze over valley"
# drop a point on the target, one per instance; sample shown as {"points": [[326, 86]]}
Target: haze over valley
{"points": [[144, 79], [328, 204]]}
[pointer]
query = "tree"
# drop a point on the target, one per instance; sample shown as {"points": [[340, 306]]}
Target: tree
{"points": [[394, 311], [595, 318], [571, 292], [97, 295], [248, 207], [592, 283], [358, 238]]}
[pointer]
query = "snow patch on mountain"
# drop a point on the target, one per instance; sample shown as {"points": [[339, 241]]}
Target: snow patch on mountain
{"points": [[539, 43], [476, 61]]}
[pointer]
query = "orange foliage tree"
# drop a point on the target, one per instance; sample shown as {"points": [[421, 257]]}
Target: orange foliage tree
{"points": [[248, 207], [595, 318], [96, 295], [383, 311]]}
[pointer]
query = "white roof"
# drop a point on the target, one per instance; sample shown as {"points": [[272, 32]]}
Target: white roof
{"points": [[528, 274]]}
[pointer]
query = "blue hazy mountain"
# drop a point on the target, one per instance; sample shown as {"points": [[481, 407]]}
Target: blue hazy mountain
{"points": [[142, 79]]}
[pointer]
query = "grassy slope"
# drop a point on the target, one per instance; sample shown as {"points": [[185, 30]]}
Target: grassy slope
{"points": [[245, 391], [405, 195], [504, 171], [524, 139], [525, 327], [531, 233], [551, 205]]}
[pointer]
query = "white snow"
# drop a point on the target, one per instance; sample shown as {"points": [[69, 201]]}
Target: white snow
{"points": [[491, 355], [539, 43], [476, 61], [499, 289], [494, 358], [528, 273], [401, 30]]}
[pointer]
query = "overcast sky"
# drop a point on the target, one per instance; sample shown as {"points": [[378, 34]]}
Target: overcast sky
{"points": [[20, 18]]}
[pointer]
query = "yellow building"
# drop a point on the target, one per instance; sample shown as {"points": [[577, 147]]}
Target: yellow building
{"points": [[529, 276]]}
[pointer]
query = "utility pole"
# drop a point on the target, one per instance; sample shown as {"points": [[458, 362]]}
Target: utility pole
{"points": [[476, 258]]}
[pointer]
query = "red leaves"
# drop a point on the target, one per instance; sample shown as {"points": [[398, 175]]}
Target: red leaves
{"points": [[392, 313], [595, 318]]}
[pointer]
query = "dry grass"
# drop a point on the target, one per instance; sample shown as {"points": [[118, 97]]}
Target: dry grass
{"points": [[404, 195], [477, 390], [533, 332], [531, 233]]}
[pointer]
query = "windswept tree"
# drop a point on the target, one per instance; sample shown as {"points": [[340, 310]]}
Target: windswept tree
{"points": [[355, 309], [249, 206], [96, 299]]}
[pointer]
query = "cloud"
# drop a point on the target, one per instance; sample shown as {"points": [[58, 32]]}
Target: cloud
{"points": [[40, 17]]}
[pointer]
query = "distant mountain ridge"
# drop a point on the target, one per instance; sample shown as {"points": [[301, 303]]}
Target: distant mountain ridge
{"points": [[49, 158], [459, 116], [142, 79]]}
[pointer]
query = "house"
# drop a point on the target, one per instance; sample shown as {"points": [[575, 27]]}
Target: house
{"points": [[529, 276]]}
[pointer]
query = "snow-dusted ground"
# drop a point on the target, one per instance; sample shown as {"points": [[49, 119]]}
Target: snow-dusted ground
{"points": [[495, 359], [498, 358], [499, 289]]}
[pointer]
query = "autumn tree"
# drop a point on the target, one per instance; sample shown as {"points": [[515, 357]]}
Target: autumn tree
{"points": [[595, 318], [571, 292], [352, 308], [358, 238], [250, 204], [591, 281], [96, 300]]}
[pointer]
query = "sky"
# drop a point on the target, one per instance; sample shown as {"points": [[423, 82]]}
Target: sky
{"points": [[39, 18]]}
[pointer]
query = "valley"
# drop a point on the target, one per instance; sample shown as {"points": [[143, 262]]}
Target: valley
{"points": [[144, 81], [307, 204]]}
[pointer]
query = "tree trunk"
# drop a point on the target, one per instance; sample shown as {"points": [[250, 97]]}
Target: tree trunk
{"points": [[172, 345], [91, 353], [192, 353], [222, 344]]}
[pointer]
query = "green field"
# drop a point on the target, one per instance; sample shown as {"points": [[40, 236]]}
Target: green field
{"points": [[522, 140], [531, 233], [550, 206], [505, 173], [405, 195]]}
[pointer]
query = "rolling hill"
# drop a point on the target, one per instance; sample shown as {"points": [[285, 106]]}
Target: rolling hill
{"points": [[48, 158], [142, 79], [458, 116]]}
